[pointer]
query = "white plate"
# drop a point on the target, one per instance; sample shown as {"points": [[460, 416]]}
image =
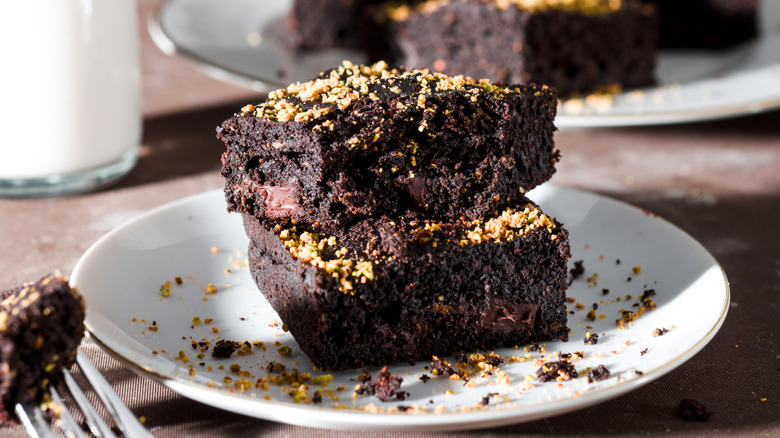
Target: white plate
{"points": [[243, 42], [121, 275]]}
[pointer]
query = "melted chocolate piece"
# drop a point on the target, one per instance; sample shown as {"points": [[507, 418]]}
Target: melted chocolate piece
{"points": [[417, 187], [509, 316], [280, 202]]}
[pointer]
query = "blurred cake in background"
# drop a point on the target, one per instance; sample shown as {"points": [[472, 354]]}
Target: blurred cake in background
{"points": [[318, 24], [576, 46], [708, 24], [573, 45]]}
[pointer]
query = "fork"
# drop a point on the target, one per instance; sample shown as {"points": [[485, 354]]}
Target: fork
{"points": [[32, 416]]}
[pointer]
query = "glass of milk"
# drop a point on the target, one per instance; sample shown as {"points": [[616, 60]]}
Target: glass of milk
{"points": [[70, 98]]}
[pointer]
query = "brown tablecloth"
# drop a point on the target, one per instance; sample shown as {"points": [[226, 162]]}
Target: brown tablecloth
{"points": [[719, 181]]}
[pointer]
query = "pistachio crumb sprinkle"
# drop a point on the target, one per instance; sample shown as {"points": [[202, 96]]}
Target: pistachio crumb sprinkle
{"points": [[338, 89], [509, 225], [324, 254], [399, 12]]}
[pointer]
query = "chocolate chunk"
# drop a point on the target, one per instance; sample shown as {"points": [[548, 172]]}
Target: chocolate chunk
{"points": [[384, 387], [224, 348], [597, 374], [562, 370], [693, 410]]}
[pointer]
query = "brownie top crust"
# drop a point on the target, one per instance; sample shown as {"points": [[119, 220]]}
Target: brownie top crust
{"points": [[400, 11], [365, 141], [352, 255], [339, 89]]}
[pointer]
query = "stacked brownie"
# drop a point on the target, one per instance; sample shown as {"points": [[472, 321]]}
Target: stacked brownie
{"points": [[387, 218]]}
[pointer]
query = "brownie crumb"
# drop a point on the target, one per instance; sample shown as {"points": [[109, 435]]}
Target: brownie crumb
{"points": [[276, 367], [384, 387], [494, 360], [604, 291], [598, 374], [441, 367], [559, 370], [534, 347], [316, 398], [591, 338], [224, 348], [692, 410], [486, 399], [643, 352], [660, 331], [576, 271], [425, 378], [403, 408]]}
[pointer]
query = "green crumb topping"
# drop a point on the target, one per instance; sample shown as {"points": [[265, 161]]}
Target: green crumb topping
{"points": [[165, 289], [398, 12], [511, 224], [341, 87], [285, 350], [324, 254], [322, 380]]}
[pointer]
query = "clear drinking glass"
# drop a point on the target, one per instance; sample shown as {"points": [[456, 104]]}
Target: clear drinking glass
{"points": [[70, 98]]}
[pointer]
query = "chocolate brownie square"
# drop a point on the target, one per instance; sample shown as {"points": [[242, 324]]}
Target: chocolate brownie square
{"points": [[387, 290], [709, 24], [319, 24], [573, 46], [371, 141]]}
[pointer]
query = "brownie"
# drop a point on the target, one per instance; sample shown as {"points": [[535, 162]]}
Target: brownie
{"points": [[387, 290], [709, 24], [385, 387], [372, 141], [41, 326], [319, 24], [693, 410], [574, 46]]}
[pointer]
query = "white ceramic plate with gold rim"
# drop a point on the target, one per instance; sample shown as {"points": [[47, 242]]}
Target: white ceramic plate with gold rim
{"points": [[195, 239], [243, 42]]}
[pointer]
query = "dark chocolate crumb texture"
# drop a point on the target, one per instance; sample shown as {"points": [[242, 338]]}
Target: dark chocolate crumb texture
{"points": [[384, 290], [41, 325], [371, 141]]}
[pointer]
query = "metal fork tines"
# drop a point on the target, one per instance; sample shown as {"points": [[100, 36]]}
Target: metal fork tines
{"points": [[33, 419]]}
